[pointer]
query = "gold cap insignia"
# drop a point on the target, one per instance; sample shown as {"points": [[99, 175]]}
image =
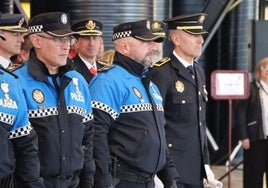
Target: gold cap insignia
{"points": [[155, 26], [137, 92], [21, 22], [179, 86], [38, 96], [90, 25]]}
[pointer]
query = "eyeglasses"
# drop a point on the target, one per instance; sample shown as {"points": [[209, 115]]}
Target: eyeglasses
{"points": [[59, 41], [264, 68]]}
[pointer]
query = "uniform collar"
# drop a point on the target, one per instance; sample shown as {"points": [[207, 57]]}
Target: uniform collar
{"points": [[129, 64]]}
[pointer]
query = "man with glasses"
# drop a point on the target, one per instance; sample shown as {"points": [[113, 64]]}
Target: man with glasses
{"points": [[89, 32], [12, 31], [59, 104]]}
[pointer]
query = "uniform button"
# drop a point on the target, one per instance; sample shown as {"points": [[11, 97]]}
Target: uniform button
{"points": [[200, 108], [63, 158], [169, 145], [183, 102], [200, 123], [199, 93], [63, 131]]}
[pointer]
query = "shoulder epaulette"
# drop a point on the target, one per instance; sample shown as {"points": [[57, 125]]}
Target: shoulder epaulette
{"points": [[13, 67], [7, 71], [161, 62], [103, 63], [106, 67]]}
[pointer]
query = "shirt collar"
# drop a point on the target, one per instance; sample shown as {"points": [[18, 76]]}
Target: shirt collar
{"points": [[4, 62], [185, 63], [89, 65]]}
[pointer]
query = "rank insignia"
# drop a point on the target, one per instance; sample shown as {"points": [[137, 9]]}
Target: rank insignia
{"points": [[179, 86], [38, 96]]}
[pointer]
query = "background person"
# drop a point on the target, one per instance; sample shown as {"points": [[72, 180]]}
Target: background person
{"points": [[12, 28], [253, 128], [89, 39], [184, 95], [59, 104]]}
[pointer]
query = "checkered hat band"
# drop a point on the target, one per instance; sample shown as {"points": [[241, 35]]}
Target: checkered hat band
{"points": [[35, 29], [122, 35]]}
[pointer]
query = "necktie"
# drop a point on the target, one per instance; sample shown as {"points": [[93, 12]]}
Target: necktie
{"points": [[191, 70], [93, 71]]}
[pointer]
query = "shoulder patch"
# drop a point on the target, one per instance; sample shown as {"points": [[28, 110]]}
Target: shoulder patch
{"points": [[105, 68], [161, 62], [13, 67], [103, 63]]}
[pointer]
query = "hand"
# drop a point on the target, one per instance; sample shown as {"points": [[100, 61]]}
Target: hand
{"points": [[209, 172], [246, 144]]}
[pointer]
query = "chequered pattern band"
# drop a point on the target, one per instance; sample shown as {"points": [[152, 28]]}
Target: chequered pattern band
{"points": [[35, 29], [22, 131], [105, 108], [42, 112], [87, 118], [121, 35], [125, 109], [136, 108], [159, 107], [7, 118]]}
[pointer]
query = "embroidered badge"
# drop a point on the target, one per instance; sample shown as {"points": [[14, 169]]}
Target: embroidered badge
{"points": [[179, 86], [138, 94], [38, 96]]}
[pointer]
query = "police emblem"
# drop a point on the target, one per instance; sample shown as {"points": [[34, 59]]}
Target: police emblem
{"points": [[4, 87], [179, 86], [64, 18], [137, 92], [38, 96], [155, 26], [90, 25]]}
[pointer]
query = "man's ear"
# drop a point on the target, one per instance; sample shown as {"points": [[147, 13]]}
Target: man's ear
{"points": [[35, 40]]}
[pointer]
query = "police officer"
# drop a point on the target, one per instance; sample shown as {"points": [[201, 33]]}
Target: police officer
{"points": [[184, 95], [18, 140], [58, 103], [129, 119], [12, 30], [89, 39]]}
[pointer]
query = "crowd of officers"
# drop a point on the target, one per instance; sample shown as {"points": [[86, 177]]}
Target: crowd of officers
{"points": [[81, 123]]}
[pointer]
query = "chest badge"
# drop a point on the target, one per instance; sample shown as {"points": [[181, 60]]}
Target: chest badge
{"points": [[179, 86], [138, 94], [38, 96]]}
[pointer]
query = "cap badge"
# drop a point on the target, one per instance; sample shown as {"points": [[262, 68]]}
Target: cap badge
{"points": [[148, 24], [38, 96], [179, 86], [155, 26], [90, 25], [201, 18], [64, 18], [21, 22]]}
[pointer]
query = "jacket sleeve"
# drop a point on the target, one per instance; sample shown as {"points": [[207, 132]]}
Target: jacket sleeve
{"points": [[102, 156], [27, 171], [87, 173]]}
